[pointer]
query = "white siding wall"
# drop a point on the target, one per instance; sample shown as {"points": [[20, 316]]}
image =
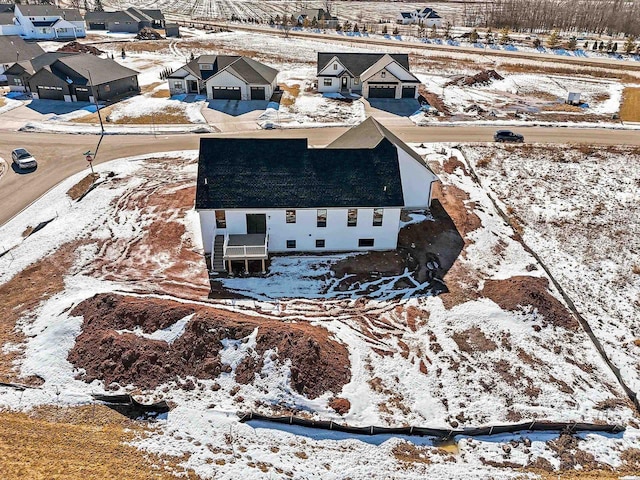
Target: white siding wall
{"points": [[335, 85], [416, 181], [226, 79], [337, 235]]}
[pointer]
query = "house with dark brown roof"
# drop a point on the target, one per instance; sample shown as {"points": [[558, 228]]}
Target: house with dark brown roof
{"points": [[81, 77], [371, 75], [224, 77], [261, 196]]}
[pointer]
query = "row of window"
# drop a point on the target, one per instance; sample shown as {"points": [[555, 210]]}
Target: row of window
{"points": [[321, 217], [362, 242], [352, 217], [328, 81]]}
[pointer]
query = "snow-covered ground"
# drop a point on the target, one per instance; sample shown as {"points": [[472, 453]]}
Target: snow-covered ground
{"points": [[579, 211], [458, 359]]}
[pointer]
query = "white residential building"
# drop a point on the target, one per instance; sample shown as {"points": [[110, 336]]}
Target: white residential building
{"points": [[428, 17], [261, 196], [372, 75], [46, 22]]}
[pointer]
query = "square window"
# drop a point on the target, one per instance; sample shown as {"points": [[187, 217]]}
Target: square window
{"points": [[321, 220], [365, 242], [352, 217], [377, 217], [320, 243], [291, 216], [327, 82], [221, 219], [291, 244]]}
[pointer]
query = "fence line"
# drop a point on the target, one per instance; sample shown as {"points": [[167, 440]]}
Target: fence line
{"points": [[442, 433]]}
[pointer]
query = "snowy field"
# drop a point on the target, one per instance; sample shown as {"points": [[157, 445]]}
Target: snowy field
{"points": [[498, 347], [579, 210]]}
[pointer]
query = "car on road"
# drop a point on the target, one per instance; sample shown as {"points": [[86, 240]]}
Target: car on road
{"points": [[23, 159], [508, 136]]}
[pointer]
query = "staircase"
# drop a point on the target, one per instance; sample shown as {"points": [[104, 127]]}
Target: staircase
{"points": [[217, 260]]}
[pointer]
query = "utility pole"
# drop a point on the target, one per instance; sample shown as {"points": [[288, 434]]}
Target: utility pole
{"points": [[89, 157]]}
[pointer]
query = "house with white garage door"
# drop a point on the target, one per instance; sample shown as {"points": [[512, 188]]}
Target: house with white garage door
{"points": [[258, 196], [371, 75], [224, 77]]}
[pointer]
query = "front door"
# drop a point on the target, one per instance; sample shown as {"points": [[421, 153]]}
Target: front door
{"points": [[344, 83], [193, 86], [256, 223]]}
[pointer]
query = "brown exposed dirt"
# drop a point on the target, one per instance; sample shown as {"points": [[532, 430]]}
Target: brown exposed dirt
{"points": [[148, 34], [318, 363], [474, 340], [82, 186], [516, 292], [433, 100], [77, 47], [340, 405], [482, 78]]}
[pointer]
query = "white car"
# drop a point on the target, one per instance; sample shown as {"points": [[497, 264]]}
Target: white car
{"points": [[23, 159]]}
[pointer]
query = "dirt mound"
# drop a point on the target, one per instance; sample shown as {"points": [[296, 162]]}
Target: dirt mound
{"points": [[482, 78], [148, 34], [111, 347], [77, 47], [340, 405], [521, 291], [432, 99]]}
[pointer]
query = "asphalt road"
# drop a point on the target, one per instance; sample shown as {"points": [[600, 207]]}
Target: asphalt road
{"points": [[61, 155]]}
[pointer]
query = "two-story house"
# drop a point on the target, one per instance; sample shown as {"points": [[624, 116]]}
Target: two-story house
{"points": [[46, 22], [261, 196]]}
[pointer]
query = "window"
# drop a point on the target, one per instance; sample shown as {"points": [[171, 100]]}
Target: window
{"points": [[320, 243], [107, 88], [291, 216], [221, 219], [352, 217], [177, 85], [327, 82], [365, 242], [321, 220], [335, 66], [377, 217], [17, 81], [356, 80], [291, 244], [383, 74]]}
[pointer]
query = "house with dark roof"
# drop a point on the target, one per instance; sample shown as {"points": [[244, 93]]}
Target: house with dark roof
{"points": [[80, 78], [13, 49], [224, 77], [19, 74], [260, 196], [131, 20], [317, 17], [372, 75], [426, 17], [47, 22]]}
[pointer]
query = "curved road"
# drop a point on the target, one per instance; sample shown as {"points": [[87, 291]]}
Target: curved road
{"points": [[61, 155]]}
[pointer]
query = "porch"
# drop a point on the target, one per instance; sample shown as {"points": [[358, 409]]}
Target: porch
{"points": [[230, 248]]}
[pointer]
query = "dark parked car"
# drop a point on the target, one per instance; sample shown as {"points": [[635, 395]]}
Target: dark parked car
{"points": [[508, 136], [23, 159]]}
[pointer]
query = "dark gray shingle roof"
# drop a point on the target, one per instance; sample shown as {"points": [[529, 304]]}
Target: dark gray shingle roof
{"points": [[103, 70], [250, 70], [285, 173], [357, 63], [12, 44]]}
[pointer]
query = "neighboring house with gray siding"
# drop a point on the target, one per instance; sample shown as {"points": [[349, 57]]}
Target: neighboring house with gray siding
{"points": [[81, 76], [131, 20]]}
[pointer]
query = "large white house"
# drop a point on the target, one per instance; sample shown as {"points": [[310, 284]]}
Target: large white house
{"points": [[224, 77], [372, 75], [427, 17], [261, 196], [44, 22]]}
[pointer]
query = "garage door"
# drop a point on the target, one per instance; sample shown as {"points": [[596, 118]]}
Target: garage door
{"points": [[226, 93], [257, 93], [408, 92], [382, 91], [82, 94], [50, 93]]}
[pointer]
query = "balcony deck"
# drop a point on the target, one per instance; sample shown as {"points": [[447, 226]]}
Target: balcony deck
{"points": [[246, 247]]}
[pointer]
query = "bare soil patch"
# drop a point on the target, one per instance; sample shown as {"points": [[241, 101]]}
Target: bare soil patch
{"points": [[630, 108], [521, 291], [77, 47], [318, 363], [88, 442], [473, 340], [481, 78], [82, 187]]}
